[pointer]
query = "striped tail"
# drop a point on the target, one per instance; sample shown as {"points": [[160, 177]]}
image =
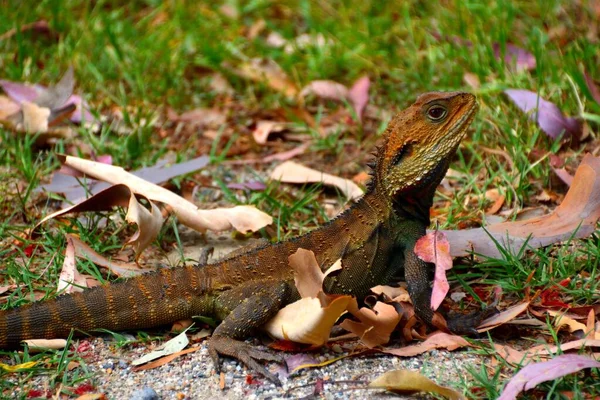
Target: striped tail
{"points": [[146, 301]]}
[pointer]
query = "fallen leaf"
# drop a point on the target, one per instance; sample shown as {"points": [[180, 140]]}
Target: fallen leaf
{"points": [[434, 248], [267, 72], [327, 362], [126, 270], [166, 359], [120, 196], [70, 280], [560, 320], [35, 118], [395, 294], [359, 95], [436, 340], [7, 107], [148, 222], [242, 218], [503, 317], [265, 128], [575, 344], [517, 58], [575, 217], [256, 186], [306, 320], [286, 155], [36, 345], [403, 381], [92, 396], [547, 115], [77, 189], [201, 117], [511, 355], [536, 373], [172, 346], [292, 172], [308, 276], [310, 319], [375, 326], [18, 367], [327, 90]]}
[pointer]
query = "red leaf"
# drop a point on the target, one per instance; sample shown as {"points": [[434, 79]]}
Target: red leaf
{"points": [[434, 248]]}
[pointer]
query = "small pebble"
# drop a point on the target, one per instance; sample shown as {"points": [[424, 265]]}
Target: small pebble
{"points": [[146, 393]]}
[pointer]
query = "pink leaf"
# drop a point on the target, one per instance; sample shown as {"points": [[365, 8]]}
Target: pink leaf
{"points": [[515, 56], [20, 92], [434, 248], [359, 95], [534, 374], [546, 114], [329, 90]]}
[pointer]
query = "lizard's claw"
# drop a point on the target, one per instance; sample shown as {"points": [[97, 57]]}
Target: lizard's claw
{"points": [[243, 352]]}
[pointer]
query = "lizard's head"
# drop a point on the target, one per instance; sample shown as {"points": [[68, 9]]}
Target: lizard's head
{"points": [[421, 140]]}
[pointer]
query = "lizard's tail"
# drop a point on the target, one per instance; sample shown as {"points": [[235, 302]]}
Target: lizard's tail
{"points": [[146, 301]]}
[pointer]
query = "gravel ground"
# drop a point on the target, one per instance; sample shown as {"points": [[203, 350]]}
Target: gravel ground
{"points": [[191, 376]]}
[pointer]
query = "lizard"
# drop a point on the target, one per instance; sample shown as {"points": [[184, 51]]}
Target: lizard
{"points": [[374, 238]]}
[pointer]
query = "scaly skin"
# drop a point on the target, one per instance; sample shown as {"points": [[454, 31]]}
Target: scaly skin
{"points": [[374, 238]]}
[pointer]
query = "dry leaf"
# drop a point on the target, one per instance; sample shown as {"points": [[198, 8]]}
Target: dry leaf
{"points": [[174, 345], [149, 224], [126, 270], [201, 117], [242, 218], [292, 172], [269, 73], [310, 319], [503, 317], [472, 80], [328, 90], [395, 294], [436, 340], [166, 359], [35, 118], [307, 321], [70, 280], [43, 344], [409, 382], [265, 128], [375, 326], [560, 320], [575, 217]]}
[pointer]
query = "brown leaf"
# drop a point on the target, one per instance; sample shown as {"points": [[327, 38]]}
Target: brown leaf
{"points": [[242, 218], [434, 248], [265, 128], [201, 117], [575, 217], [40, 26], [409, 382], [127, 270], [269, 73], [396, 294], [503, 317], [436, 340], [310, 319], [70, 280], [120, 196], [36, 345], [291, 172], [375, 326]]}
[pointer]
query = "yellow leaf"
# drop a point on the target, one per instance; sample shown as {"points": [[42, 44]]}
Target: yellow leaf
{"points": [[407, 382], [15, 368]]}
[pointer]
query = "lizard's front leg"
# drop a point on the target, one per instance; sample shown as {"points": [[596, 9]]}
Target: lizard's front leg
{"points": [[251, 305], [419, 289]]}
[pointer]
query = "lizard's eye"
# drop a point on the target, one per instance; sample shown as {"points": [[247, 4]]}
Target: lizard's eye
{"points": [[436, 113]]}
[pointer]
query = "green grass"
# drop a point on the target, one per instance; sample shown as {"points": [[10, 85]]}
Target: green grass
{"points": [[145, 56]]}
